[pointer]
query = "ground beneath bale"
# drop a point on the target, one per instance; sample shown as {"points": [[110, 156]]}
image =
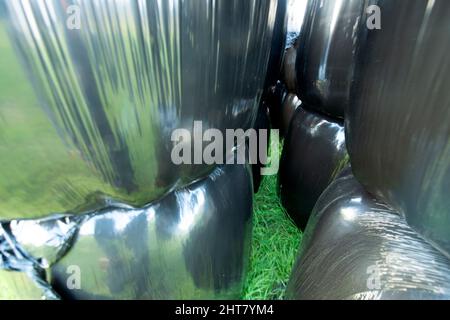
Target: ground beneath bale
{"points": [[275, 243]]}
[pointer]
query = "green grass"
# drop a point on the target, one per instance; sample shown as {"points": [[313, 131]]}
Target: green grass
{"points": [[275, 244]]}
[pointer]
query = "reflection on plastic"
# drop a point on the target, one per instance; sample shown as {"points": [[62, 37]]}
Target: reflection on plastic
{"points": [[314, 153], [86, 114], [19, 286], [191, 244], [21, 275], [357, 248], [398, 123], [290, 105], [326, 54]]}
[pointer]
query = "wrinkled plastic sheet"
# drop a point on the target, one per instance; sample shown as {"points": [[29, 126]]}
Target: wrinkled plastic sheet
{"points": [[21, 275]]}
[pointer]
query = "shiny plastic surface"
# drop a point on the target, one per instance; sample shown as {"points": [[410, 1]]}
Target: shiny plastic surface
{"points": [[194, 243], [314, 153], [86, 115], [19, 286], [262, 122], [46, 239], [289, 74], [290, 105], [278, 44], [398, 125], [295, 28], [296, 10], [326, 54], [21, 275], [358, 248], [274, 100]]}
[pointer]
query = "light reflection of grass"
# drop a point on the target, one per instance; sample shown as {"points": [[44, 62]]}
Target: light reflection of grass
{"points": [[28, 145]]}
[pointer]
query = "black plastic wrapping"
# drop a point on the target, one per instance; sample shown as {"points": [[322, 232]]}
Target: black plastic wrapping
{"points": [[86, 115], [314, 153], [274, 100], [22, 277], [262, 122], [398, 124], [278, 44], [326, 54], [86, 118], [295, 28], [290, 104], [356, 247], [191, 244], [289, 74]]}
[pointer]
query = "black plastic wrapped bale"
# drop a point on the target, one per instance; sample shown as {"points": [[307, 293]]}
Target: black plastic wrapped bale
{"points": [[289, 74], [296, 10], [278, 44], [326, 54], [398, 125], [274, 99], [314, 153], [302, 39], [290, 104], [295, 26], [87, 114], [192, 244], [262, 122], [355, 247]]}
